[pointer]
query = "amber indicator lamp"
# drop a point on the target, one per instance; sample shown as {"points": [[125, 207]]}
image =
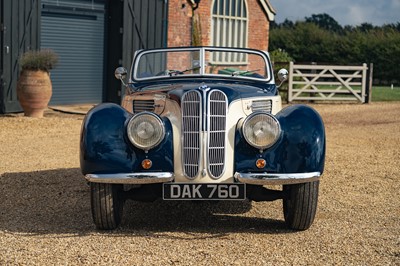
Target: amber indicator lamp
{"points": [[261, 163], [146, 164]]}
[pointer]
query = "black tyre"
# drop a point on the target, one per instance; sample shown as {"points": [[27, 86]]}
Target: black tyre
{"points": [[107, 206], [300, 204]]}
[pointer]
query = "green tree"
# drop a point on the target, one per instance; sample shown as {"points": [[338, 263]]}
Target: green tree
{"points": [[324, 21], [305, 42], [318, 40]]}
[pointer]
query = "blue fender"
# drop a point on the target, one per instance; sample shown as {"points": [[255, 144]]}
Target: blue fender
{"points": [[300, 149], [105, 147]]}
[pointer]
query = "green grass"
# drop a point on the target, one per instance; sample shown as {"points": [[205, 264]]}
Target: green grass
{"points": [[380, 94]]}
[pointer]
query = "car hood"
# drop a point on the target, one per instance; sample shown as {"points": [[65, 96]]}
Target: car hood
{"points": [[233, 91]]}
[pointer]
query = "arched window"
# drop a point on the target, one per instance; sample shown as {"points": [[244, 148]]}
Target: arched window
{"points": [[229, 26]]}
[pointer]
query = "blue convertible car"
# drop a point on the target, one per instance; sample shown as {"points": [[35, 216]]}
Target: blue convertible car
{"points": [[202, 123]]}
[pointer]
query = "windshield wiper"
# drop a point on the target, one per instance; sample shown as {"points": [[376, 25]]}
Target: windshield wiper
{"points": [[174, 72], [190, 69], [244, 72]]}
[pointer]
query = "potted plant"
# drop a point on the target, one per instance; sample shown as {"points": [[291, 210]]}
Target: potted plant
{"points": [[34, 87]]}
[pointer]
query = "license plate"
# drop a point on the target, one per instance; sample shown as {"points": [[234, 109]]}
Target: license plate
{"points": [[179, 191]]}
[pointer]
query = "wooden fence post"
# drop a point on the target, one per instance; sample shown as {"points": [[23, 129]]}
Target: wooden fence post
{"points": [[370, 79], [290, 85]]}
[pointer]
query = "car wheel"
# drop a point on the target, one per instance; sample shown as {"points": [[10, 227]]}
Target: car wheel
{"points": [[107, 205], [300, 204]]}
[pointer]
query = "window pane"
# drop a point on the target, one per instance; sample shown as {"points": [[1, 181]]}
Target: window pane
{"points": [[221, 7], [229, 28], [227, 5], [168, 64], [215, 8], [233, 8], [253, 65]]}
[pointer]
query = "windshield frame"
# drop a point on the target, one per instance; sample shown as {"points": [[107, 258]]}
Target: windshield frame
{"points": [[134, 78]]}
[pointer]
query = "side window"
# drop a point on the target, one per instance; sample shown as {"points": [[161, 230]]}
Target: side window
{"points": [[229, 28]]}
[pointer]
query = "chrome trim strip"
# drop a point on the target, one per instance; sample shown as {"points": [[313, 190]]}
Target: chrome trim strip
{"points": [[131, 178], [276, 179]]}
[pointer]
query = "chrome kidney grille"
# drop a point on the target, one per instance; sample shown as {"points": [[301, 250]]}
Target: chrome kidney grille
{"points": [[191, 128], [215, 127], [217, 107]]}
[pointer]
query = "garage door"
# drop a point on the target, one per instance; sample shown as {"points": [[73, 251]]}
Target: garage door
{"points": [[75, 30]]}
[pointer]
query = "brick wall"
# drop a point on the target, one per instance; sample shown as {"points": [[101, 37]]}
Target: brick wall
{"points": [[180, 23], [258, 26]]}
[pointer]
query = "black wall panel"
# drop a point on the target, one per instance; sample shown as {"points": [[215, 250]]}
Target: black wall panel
{"points": [[130, 25], [20, 32]]}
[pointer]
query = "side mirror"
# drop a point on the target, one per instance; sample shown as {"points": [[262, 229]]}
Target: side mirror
{"points": [[120, 73], [283, 75]]}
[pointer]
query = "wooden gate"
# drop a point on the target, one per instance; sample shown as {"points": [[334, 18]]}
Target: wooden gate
{"points": [[327, 83]]}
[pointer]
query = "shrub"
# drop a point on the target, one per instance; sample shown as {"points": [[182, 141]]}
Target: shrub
{"points": [[44, 60]]}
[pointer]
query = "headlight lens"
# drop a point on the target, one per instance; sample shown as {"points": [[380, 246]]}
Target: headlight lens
{"points": [[261, 130], [145, 130]]}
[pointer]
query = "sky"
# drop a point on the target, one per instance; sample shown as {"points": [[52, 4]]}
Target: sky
{"points": [[345, 12]]}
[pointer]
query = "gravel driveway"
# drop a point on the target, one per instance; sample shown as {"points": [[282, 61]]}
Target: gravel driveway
{"points": [[45, 210]]}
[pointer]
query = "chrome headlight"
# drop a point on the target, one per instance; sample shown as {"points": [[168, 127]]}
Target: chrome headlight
{"points": [[261, 130], [145, 130]]}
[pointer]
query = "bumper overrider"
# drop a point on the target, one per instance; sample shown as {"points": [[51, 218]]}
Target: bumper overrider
{"points": [[246, 178]]}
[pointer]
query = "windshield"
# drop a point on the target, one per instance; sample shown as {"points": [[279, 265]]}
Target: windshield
{"points": [[186, 62]]}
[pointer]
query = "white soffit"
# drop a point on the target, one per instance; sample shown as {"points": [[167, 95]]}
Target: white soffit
{"points": [[269, 10]]}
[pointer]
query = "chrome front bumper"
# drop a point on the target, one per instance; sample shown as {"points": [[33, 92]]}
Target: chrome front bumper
{"points": [[276, 179], [163, 177], [131, 178]]}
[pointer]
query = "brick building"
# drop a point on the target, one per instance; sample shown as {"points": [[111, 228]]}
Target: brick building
{"points": [[232, 23], [93, 37]]}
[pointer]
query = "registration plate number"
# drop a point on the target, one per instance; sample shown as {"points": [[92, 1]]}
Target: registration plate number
{"points": [[180, 191]]}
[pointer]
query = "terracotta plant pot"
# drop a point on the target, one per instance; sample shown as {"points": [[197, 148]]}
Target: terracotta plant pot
{"points": [[34, 92]]}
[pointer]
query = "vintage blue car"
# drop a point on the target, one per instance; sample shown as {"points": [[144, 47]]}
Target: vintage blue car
{"points": [[202, 123]]}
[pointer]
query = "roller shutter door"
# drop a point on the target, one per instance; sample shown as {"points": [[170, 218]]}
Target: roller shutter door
{"points": [[76, 33]]}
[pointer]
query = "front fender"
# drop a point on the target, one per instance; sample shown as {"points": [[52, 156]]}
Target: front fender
{"points": [[300, 149], [105, 148]]}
